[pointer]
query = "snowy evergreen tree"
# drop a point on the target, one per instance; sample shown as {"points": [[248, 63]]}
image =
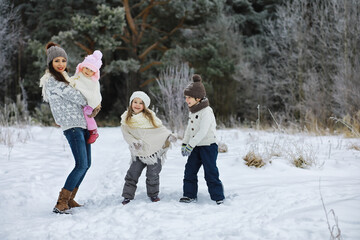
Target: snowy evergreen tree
{"points": [[313, 53]]}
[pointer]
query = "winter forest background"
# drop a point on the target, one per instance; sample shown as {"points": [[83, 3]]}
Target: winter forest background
{"points": [[281, 75], [264, 62]]}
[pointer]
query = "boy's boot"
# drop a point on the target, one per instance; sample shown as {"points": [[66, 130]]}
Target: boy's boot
{"points": [[93, 136], [188, 200], [72, 203], [62, 202]]}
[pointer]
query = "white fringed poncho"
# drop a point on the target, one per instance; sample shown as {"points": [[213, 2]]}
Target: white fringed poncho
{"points": [[152, 139]]}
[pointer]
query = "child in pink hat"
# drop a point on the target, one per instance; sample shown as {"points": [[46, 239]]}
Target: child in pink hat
{"points": [[86, 80]]}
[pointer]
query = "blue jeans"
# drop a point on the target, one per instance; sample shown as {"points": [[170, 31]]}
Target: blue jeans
{"points": [[206, 156], [82, 154]]}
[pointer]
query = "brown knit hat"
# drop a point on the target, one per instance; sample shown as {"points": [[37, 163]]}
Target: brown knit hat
{"points": [[195, 89]]}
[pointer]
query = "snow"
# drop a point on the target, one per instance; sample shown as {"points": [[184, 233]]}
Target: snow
{"points": [[277, 201]]}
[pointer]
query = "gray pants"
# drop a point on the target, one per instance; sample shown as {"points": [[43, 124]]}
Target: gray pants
{"points": [[133, 174]]}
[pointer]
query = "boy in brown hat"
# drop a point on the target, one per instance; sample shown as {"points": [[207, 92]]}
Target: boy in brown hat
{"points": [[199, 145]]}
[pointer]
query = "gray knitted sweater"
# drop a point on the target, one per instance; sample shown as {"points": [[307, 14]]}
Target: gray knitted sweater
{"points": [[66, 104]]}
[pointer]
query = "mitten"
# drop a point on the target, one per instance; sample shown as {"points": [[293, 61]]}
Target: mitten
{"points": [[138, 145], [188, 150], [172, 138], [95, 111], [183, 146], [88, 110]]}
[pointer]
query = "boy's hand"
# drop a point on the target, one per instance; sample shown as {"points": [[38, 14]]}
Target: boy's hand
{"points": [[186, 150], [183, 146]]}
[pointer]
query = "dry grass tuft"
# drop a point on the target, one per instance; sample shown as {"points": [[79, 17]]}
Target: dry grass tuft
{"points": [[335, 232], [303, 155], [354, 146], [253, 160], [352, 124], [301, 162]]}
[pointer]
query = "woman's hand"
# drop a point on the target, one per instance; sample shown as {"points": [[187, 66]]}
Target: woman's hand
{"points": [[95, 111]]}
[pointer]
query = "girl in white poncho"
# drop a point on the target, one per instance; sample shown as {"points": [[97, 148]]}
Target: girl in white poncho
{"points": [[148, 141]]}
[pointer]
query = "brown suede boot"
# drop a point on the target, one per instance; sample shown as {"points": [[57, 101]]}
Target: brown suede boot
{"points": [[62, 202], [72, 203]]}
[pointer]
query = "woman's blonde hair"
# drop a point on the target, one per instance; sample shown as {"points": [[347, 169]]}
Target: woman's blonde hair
{"points": [[146, 112]]}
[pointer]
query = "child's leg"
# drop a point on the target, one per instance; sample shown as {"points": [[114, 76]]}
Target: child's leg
{"points": [[153, 179], [208, 156], [131, 179], [190, 187], [91, 123]]}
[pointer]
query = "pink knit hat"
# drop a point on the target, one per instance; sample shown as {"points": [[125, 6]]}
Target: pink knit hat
{"points": [[92, 62]]}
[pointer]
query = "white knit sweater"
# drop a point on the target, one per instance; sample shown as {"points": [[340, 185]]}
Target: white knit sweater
{"points": [[66, 103], [201, 128], [88, 87]]}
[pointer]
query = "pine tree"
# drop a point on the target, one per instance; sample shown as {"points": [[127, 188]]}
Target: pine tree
{"points": [[136, 50]]}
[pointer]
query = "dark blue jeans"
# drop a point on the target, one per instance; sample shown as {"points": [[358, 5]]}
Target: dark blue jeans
{"points": [[82, 154], [206, 156]]}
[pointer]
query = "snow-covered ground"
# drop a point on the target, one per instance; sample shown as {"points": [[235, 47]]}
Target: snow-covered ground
{"points": [[278, 201]]}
